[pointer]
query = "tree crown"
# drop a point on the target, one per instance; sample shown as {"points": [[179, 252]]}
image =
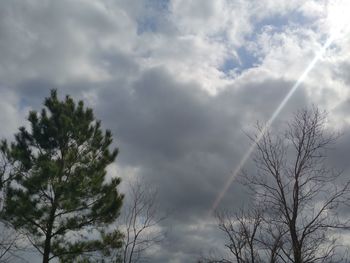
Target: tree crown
{"points": [[59, 185]]}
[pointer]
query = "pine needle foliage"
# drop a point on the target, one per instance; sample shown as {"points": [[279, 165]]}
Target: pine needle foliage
{"points": [[60, 196]]}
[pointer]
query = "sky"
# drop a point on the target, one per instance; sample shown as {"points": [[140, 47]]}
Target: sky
{"points": [[180, 83]]}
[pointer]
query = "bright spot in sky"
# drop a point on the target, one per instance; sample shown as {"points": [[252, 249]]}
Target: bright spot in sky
{"points": [[338, 17], [339, 24]]}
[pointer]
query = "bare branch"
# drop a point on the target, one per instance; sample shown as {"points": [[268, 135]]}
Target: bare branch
{"points": [[298, 193]]}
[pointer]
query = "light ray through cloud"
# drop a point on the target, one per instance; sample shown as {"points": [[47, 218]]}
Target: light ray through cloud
{"points": [[285, 100]]}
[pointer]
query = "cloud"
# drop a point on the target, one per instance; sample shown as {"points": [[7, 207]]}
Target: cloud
{"points": [[178, 83], [186, 141]]}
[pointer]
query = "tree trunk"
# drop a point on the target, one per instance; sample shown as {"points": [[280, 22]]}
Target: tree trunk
{"points": [[297, 252], [47, 245], [295, 242], [47, 248], [297, 256]]}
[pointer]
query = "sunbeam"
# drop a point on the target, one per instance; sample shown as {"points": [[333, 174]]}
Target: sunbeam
{"points": [[339, 28]]}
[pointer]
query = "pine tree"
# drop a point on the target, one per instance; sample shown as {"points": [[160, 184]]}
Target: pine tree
{"points": [[60, 195]]}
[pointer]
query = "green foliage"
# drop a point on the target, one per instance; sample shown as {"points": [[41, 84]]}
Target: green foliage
{"points": [[59, 195]]}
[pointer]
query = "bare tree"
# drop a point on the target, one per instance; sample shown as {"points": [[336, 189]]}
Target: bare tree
{"points": [[250, 238], [137, 228], [242, 233], [141, 219], [298, 192], [10, 239], [11, 244]]}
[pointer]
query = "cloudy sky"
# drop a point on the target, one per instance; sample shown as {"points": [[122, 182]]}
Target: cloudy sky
{"points": [[179, 82]]}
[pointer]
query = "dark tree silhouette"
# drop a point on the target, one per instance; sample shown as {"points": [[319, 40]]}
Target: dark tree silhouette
{"points": [[59, 196], [297, 195], [140, 222]]}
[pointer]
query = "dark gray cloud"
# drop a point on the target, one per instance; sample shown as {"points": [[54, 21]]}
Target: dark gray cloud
{"points": [[187, 142]]}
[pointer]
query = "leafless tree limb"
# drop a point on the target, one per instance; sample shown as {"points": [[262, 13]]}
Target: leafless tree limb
{"points": [[141, 222], [298, 193]]}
